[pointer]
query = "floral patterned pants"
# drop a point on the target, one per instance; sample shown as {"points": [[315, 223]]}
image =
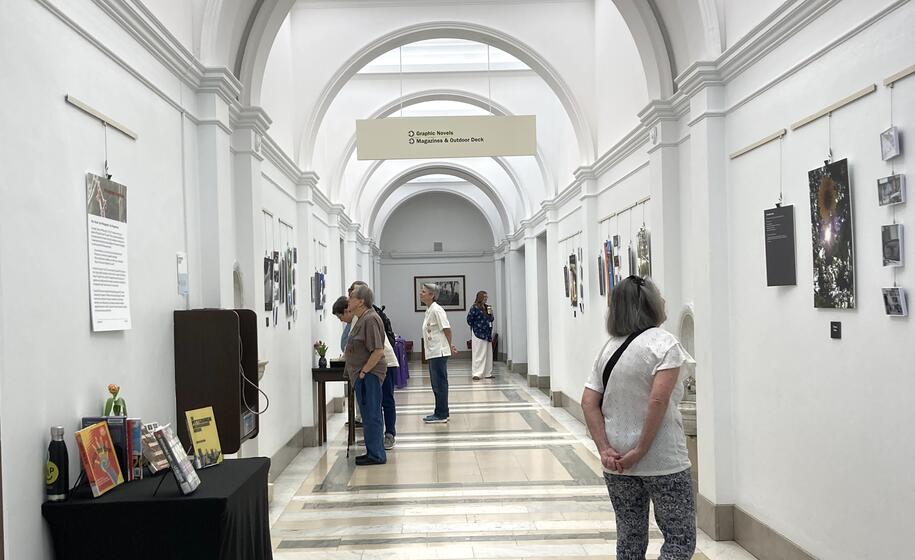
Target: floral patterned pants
{"points": [[674, 511]]}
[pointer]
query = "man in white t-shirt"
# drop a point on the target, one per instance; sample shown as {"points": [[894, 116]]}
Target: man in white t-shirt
{"points": [[438, 348]]}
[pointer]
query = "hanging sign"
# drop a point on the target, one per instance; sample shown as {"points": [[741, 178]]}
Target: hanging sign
{"points": [[780, 259], [445, 137], [109, 296]]}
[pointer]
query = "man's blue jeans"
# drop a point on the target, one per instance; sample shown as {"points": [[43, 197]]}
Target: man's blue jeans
{"points": [[368, 394], [387, 402], [438, 372]]}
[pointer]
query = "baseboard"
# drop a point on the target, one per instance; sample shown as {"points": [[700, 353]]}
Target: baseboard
{"points": [[717, 520], [336, 404], [762, 541], [533, 380], [519, 367], [508, 363], [310, 436], [543, 383], [561, 400], [281, 459], [501, 357]]}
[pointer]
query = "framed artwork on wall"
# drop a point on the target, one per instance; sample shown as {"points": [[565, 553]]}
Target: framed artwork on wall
{"points": [[891, 190], [451, 296], [833, 237]]}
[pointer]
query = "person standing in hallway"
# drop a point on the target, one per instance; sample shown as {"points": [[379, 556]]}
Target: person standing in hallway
{"points": [[388, 406], [630, 405], [366, 369], [438, 348], [480, 319]]}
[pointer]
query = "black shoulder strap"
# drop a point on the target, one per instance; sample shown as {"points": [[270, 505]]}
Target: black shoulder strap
{"points": [[608, 369]]}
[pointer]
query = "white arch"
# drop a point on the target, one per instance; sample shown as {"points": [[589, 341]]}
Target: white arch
{"points": [[379, 220], [454, 30], [439, 168], [460, 96]]}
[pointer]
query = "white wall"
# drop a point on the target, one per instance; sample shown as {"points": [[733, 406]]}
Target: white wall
{"points": [[412, 228], [55, 370], [838, 411]]}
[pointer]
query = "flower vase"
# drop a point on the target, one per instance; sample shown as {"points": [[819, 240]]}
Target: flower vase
{"points": [[322, 362]]}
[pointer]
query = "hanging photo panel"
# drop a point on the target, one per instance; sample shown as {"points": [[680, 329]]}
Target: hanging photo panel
{"points": [[891, 190], [893, 249], [781, 263], [894, 302], [832, 235]]}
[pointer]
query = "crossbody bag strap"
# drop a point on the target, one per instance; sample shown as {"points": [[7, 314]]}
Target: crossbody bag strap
{"points": [[608, 369]]}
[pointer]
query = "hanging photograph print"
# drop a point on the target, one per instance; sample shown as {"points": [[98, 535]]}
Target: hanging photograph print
{"points": [[607, 271], [889, 143], [573, 279], [891, 190], [319, 291], [106, 223], [601, 277], [893, 251], [833, 240], [894, 302], [268, 284], [565, 277], [289, 285], [643, 252]]}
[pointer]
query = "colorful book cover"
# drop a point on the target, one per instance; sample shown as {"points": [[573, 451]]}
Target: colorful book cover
{"points": [[117, 429], [96, 452], [201, 425], [135, 447]]}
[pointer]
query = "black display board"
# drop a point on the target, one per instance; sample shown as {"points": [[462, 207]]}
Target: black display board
{"points": [[781, 264]]}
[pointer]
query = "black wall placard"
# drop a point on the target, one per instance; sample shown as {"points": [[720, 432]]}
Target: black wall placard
{"points": [[781, 264]]}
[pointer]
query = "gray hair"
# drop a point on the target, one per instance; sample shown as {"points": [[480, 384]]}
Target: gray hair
{"points": [[364, 293], [636, 304], [433, 289]]}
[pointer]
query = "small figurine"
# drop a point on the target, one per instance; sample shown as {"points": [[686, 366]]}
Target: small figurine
{"points": [[115, 406]]}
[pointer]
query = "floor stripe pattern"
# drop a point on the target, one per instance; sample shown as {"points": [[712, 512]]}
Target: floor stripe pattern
{"points": [[507, 477]]}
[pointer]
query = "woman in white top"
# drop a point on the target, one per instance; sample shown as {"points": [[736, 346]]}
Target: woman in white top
{"points": [[438, 347], [636, 425]]}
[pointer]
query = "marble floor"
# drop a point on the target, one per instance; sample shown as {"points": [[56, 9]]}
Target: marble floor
{"points": [[508, 476]]}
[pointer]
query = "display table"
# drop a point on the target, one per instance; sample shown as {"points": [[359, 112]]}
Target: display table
{"points": [[226, 518], [334, 375]]}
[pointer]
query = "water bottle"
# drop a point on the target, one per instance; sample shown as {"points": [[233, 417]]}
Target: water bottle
{"points": [[57, 475]]}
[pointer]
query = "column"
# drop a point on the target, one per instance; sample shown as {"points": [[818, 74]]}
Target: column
{"points": [[217, 216], [517, 318], [305, 268], [554, 288], [532, 292], [590, 244], [709, 212]]}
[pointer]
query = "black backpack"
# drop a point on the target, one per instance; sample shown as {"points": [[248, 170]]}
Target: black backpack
{"points": [[388, 328]]}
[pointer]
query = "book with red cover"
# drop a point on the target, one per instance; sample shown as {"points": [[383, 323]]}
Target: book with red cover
{"points": [[96, 452]]}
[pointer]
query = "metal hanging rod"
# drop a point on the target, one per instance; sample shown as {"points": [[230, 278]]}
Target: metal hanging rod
{"points": [[626, 209], [899, 75], [757, 144], [566, 238], [837, 105], [100, 116]]}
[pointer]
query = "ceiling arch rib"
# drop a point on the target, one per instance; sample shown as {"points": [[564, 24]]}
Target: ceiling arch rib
{"points": [[384, 173], [439, 168], [459, 96], [453, 30], [384, 210]]}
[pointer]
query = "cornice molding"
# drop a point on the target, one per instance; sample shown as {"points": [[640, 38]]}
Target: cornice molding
{"points": [[255, 118], [658, 111], [700, 75], [221, 82]]}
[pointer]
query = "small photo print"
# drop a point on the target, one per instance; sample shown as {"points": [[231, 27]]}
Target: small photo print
{"points": [[894, 302], [891, 237], [891, 190], [889, 143]]}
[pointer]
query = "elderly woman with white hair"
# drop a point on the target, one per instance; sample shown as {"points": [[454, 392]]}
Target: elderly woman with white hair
{"points": [[438, 348], [630, 405]]}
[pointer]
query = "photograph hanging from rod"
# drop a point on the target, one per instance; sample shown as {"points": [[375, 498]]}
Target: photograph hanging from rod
{"points": [[573, 279], [643, 252], [894, 302], [893, 250], [832, 235], [891, 190], [890, 146], [268, 284]]}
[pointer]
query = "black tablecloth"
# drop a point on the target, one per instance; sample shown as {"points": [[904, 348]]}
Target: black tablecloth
{"points": [[227, 518]]}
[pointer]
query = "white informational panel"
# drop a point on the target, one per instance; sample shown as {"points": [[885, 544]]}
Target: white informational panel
{"points": [[109, 296], [445, 137]]}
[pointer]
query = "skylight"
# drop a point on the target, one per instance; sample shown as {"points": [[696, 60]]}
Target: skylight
{"points": [[443, 55]]}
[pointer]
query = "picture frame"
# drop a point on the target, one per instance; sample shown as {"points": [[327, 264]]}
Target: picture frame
{"points": [[890, 146], [891, 237], [891, 190], [894, 302], [452, 292]]}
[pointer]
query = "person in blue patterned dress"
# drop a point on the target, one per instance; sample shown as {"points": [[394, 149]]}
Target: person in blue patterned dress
{"points": [[480, 320]]}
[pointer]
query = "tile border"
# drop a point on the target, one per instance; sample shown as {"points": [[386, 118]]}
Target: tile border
{"points": [[762, 541]]}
